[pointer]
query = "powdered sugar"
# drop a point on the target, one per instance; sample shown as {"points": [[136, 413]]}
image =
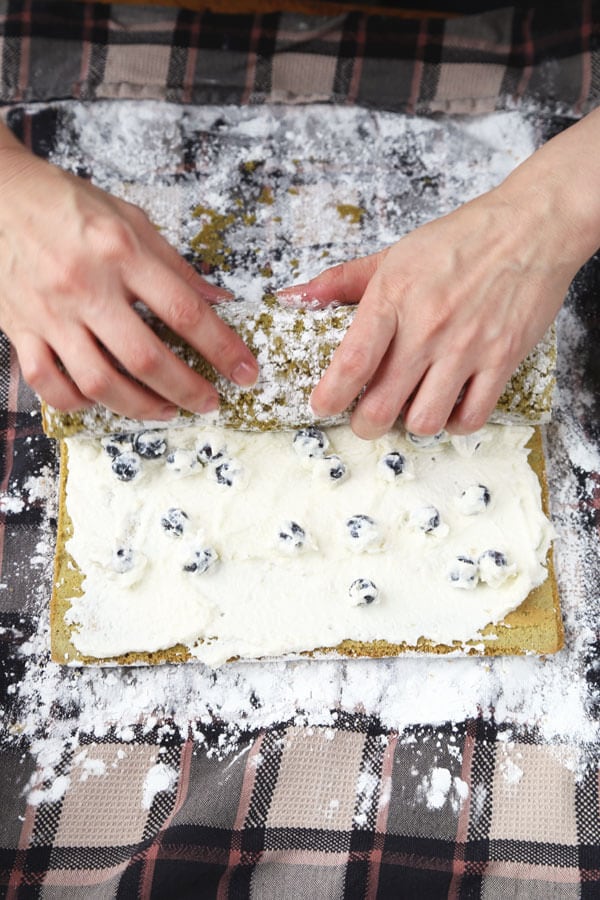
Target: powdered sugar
{"points": [[435, 787], [159, 778], [333, 169], [262, 199], [11, 505], [55, 707]]}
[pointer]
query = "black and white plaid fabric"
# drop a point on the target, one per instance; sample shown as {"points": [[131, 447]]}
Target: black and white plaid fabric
{"points": [[462, 64]]}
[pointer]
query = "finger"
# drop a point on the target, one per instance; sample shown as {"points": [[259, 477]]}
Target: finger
{"points": [[356, 359], [345, 283], [99, 380], [436, 397], [162, 249], [387, 393], [182, 308], [478, 402], [144, 356], [42, 372]]}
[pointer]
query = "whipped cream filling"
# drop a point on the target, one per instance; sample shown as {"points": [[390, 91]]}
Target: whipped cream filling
{"points": [[248, 545]]}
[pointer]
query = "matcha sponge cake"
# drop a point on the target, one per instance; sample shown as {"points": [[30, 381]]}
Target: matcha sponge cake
{"points": [[293, 348], [216, 544]]}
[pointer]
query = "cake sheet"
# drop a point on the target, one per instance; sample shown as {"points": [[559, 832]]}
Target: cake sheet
{"points": [[534, 626]]}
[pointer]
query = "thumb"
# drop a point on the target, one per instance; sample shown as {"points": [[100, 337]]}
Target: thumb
{"points": [[344, 283]]}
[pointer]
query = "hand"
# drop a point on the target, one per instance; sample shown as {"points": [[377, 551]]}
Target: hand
{"points": [[73, 260], [447, 313]]}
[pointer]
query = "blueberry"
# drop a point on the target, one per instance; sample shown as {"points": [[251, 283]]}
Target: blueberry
{"points": [[336, 468], [393, 462], [474, 499], [292, 536], [360, 525], [426, 518], [226, 472], [463, 572], [201, 561], [494, 557], [310, 442], [363, 592], [485, 494], [150, 444], [206, 453], [181, 462], [426, 440], [126, 466], [494, 568], [173, 521], [122, 560], [362, 532], [115, 444]]}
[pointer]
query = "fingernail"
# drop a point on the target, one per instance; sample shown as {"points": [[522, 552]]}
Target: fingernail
{"points": [[211, 404], [299, 289], [314, 410], [292, 296], [220, 295], [245, 374]]}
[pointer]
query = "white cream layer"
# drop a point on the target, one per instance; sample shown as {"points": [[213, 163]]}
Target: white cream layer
{"points": [[262, 598]]}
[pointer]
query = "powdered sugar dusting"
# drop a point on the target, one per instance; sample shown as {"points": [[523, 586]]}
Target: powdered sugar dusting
{"points": [[160, 777], [263, 199], [56, 707]]}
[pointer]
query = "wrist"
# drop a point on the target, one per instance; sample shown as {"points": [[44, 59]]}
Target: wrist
{"points": [[560, 183], [551, 203]]}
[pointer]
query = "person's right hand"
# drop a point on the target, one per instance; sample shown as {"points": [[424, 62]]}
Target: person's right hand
{"points": [[73, 260]]}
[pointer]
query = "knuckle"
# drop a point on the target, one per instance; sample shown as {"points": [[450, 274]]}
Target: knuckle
{"points": [[66, 277], [184, 315], [340, 277], [111, 237], [503, 351], [94, 383], [472, 418], [226, 347], [353, 361], [436, 320], [136, 214], [378, 413], [194, 397], [36, 373], [184, 270], [144, 360], [392, 291], [333, 277]]}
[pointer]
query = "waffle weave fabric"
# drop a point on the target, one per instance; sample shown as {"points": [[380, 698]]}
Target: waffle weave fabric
{"points": [[546, 53], [470, 809]]}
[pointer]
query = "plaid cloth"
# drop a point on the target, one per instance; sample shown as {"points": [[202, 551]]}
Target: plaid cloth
{"points": [[463, 810], [468, 64], [309, 814]]}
